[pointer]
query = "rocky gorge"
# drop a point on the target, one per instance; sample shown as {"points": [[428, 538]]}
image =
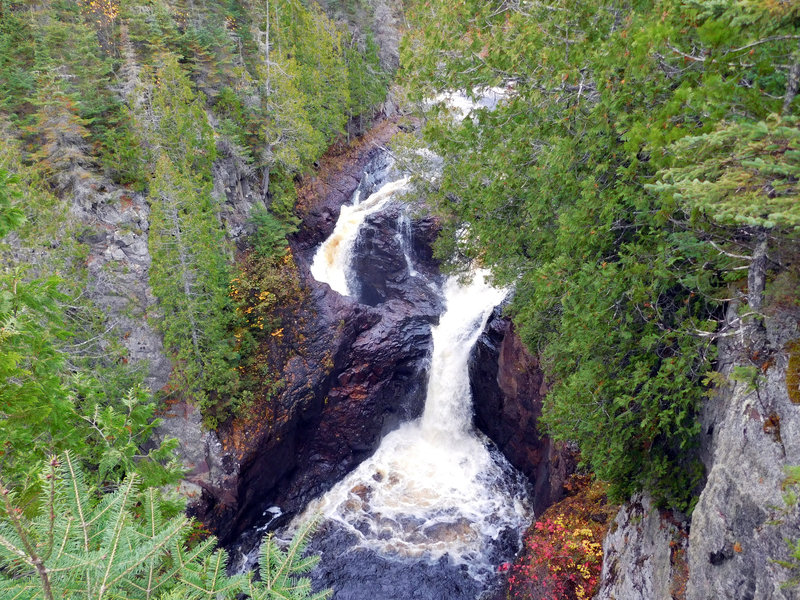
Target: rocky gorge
{"points": [[362, 374], [365, 353]]}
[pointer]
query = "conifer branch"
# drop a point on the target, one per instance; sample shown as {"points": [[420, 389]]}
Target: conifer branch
{"points": [[29, 555]]}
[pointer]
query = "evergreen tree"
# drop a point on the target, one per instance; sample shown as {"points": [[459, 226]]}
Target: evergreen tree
{"points": [[366, 79], [191, 267], [618, 287], [190, 275], [125, 544], [63, 153], [11, 215]]}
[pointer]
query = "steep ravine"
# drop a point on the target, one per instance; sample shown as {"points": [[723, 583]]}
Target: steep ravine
{"points": [[342, 398]]}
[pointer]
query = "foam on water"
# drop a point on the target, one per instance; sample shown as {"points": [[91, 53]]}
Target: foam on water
{"points": [[432, 487]]}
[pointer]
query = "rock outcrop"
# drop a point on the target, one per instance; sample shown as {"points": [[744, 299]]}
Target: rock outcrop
{"points": [[751, 434], [507, 388], [385, 247], [645, 554], [739, 531]]}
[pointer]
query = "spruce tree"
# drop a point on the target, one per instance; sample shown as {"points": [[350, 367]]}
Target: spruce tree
{"points": [[82, 545]]}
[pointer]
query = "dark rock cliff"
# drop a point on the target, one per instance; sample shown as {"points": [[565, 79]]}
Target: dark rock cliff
{"points": [[508, 387], [362, 372]]}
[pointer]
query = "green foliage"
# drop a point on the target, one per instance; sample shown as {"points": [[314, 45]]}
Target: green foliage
{"points": [[17, 56], [367, 80], [790, 488], [63, 154], [82, 546], [104, 93], [37, 407], [11, 215], [126, 544], [268, 293], [48, 405], [629, 137], [269, 239], [190, 275], [47, 409], [281, 570], [742, 173], [124, 160]]}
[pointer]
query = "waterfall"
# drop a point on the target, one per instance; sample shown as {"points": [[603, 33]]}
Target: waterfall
{"points": [[331, 263], [435, 492], [433, 487], [403, 237]]}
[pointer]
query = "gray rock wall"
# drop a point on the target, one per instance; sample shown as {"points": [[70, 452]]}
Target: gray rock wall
{"points": [[644, 554], [741, 522], [115, 226], [739, 529]]}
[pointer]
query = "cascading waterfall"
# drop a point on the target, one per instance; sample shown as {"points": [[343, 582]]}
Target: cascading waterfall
{"points": [[403, 237], [433, 487], [332, 260]]}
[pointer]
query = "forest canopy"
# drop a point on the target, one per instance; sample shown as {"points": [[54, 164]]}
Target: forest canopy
{"points": [[644, 156]]}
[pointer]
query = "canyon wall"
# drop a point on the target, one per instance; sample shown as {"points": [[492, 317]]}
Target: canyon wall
{"points": [[739, 532]]}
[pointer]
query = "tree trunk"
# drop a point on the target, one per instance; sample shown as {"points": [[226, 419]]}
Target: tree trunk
{"points": [[792, 82]]}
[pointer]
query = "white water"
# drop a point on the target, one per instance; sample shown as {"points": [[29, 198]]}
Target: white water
{"points": [[403, 237], [331, 263], [461, 105], [432, 487]]}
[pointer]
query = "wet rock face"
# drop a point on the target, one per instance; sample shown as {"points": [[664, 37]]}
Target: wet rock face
{"points": [[382, 252], [508, 388], [363, 175], [362, 373]]}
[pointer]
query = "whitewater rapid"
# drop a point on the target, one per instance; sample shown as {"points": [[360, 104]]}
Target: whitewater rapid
{"points": [[433, 488]]}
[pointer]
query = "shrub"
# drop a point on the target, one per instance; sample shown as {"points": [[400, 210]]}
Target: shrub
{"points": [[562, 554]]}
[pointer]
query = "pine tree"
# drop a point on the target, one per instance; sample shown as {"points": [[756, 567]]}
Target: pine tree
{"points": [[63, 153], [11, 215], [124, 544], [367, 81], [190, 275], [80, 546], [281, 571]]}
